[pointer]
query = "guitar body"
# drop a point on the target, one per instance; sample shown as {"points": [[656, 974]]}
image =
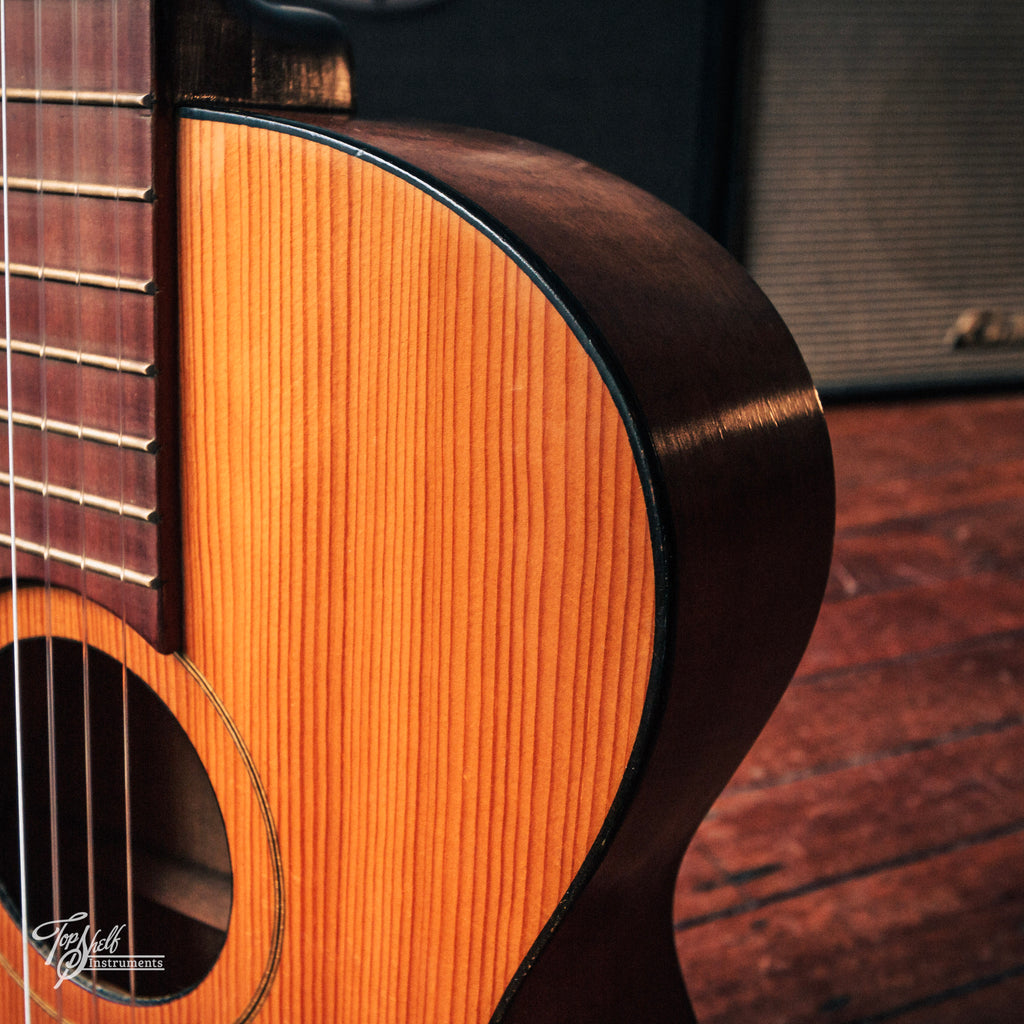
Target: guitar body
{"points": [[505, 514]]}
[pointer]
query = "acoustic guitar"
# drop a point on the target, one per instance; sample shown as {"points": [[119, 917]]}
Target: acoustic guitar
{"points": [[410, 530]]}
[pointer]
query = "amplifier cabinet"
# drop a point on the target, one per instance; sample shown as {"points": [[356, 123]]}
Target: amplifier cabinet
{"points": [[885, 187]]}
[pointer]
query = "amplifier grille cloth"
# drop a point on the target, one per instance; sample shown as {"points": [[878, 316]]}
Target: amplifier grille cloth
{"points": [[887, 185]]}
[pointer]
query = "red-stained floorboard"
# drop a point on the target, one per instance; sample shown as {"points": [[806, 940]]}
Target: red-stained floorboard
{"points": [[866, 863]]}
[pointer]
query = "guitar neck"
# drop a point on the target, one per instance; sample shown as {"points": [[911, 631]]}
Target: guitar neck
{"points": [[92, 332]]}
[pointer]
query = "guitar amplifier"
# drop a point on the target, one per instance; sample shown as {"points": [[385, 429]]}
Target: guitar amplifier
{"points": [[645, 89], [885, 191]]}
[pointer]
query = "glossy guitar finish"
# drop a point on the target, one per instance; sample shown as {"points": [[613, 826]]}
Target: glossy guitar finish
{"points": [[506, 509]]}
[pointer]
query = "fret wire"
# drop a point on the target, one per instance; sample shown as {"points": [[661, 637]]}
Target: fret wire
{"points": [[107, 437], [81, 97], [50, 553], [94, 501], [86, 190], [135, 367], [83, 277]]}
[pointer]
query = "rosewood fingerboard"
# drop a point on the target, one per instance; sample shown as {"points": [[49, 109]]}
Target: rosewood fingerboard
{"points": [[91, 336]]}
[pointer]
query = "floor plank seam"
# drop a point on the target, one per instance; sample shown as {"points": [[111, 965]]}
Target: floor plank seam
{"points": [[945, 996], [940, 522], [841, 878], [911, 747], [945, 519], [964, 646]]}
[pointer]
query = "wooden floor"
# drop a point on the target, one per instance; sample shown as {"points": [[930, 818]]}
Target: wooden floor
{"points": [[867, 861]]}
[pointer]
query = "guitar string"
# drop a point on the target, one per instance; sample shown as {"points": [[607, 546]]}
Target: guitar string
{"points": [[15, 639], [48, 632], [90, 833], [119, 337]]}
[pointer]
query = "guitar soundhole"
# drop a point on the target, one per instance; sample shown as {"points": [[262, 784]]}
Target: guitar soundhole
{"points": [[180, 874]]}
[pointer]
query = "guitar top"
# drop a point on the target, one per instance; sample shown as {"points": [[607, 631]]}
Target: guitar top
{"points": [[413, 529]]}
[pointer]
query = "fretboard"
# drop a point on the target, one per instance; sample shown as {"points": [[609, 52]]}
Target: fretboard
{"points": [[91, 335]]}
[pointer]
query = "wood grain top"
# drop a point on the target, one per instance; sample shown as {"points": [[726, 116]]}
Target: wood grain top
{"points": [[423, 568]]}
